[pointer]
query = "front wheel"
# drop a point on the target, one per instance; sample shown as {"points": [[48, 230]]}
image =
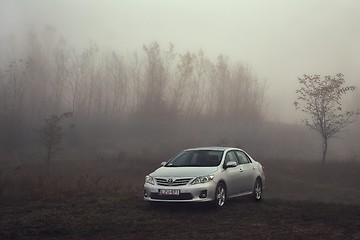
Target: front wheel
{"points": [[257, 192], [220, 195]]}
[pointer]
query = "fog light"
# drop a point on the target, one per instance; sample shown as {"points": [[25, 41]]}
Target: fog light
{"points": [[145, 193], [203, 194]]}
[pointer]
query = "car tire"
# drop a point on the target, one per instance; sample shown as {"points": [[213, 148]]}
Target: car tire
{"points": [[257, 191], [220, 195]]}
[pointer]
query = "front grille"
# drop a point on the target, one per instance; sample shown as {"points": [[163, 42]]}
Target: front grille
{"points": [[174, 182], [181, 196]]}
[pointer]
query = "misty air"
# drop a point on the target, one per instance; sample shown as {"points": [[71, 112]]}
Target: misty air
{"points": [[176, 119]]}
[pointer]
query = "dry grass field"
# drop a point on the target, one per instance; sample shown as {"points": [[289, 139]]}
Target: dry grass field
{"points": [[101, 198], [90, 217]]}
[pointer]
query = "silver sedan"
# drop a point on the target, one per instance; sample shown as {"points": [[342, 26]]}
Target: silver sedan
{"points": [[209, 174]]}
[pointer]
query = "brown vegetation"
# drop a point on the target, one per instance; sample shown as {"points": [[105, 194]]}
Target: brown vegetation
{"points": [[117, 173], [101, 198]]}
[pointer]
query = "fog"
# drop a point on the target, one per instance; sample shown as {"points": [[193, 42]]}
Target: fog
{"points": [[274, 42], [280, 40], [95, 94]]}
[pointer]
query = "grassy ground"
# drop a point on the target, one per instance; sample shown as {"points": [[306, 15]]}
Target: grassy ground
{"points": [[102, 199], [90, 217]]}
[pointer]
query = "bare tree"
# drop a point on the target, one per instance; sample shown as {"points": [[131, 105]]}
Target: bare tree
{"points": [[321, 98], [59, 79], [156, 78], [14, 88], [77, 67], [39, 75], [78, 81], [201, 91], [51, 133], [135, 76], [92, 72], [116, 71], [223, 78], [61, 58], [185, 72]]}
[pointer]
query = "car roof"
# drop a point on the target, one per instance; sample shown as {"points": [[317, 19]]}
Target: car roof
{"points": [[216, 148]]}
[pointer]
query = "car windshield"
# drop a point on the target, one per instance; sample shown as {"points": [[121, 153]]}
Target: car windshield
{"points": [[196, 158]]}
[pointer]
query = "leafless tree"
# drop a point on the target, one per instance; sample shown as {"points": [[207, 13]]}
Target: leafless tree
{"points": [[135, 76], [156, 78], [117, 75], [201, 90], [248, 95], [185, 71], [320, 98], [51, 133], [78, 81], [14, 88], [39, 69], [91, 77], [61, 60], [222, 85]]}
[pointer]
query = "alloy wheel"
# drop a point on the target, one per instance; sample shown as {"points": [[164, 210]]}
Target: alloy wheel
{"points": [[220, 195], [257, 190]]}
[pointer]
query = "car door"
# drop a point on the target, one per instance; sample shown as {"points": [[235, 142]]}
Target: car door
{"points": [[233, 175], [247, 170]]}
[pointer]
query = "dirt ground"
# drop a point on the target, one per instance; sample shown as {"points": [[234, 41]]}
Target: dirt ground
{"points": [[302, 200], [89, 217]]}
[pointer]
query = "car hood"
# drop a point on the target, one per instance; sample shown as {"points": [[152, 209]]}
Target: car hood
{"points": [[183, 171]]}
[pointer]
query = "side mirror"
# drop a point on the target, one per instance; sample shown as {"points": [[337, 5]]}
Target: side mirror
{"points": [[162, 164], [230, 164]]}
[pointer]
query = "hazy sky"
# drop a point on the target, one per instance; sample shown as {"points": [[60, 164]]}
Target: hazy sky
{"points": [[280, 39]]}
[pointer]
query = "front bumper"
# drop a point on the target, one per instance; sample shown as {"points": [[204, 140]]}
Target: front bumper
{"points": [[202, 192]]}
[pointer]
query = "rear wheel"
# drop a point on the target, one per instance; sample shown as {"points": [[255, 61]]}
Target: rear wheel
{"points": [[257, 192], [220, 195]]}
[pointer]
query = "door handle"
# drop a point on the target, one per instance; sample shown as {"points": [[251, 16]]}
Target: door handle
{"points": [[241, 170]]}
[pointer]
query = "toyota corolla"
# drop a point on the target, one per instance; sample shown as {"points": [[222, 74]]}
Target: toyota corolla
{"points": [[208, 174]]}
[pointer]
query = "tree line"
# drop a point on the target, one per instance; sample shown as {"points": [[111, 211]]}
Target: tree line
{"points": [[154, 85]]}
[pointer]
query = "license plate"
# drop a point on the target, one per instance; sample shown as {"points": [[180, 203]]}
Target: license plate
{"points": [[169, 191]]}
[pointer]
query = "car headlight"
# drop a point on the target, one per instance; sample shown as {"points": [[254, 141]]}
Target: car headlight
{"points": [[149, 179], [202, 179]]}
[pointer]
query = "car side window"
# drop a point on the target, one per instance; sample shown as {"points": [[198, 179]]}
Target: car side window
{"points": [[243, 159], [230, 156]]}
